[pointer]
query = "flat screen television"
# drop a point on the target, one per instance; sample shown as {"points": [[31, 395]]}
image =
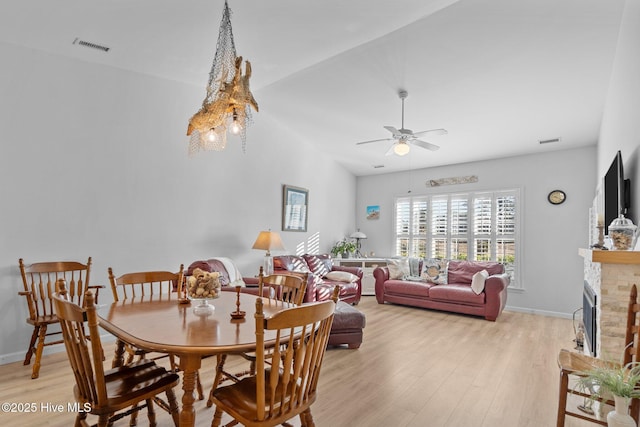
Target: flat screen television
{"points": [[616, 192]]}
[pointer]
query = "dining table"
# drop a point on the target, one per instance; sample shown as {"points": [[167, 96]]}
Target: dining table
{"points": [[167, 324]]}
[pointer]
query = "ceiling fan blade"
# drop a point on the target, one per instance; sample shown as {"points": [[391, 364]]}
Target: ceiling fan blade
{"points": [[425, 145], [431, 132], [374, 140], [396, 133], [390, 150]]}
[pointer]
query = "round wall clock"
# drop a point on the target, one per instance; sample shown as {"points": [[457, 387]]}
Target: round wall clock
{"points": [[556, 197]]}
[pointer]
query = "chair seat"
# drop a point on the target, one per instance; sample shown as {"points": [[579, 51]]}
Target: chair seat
{"points": [[43, 320], [573, 362], [128, 383], [242, 396]]}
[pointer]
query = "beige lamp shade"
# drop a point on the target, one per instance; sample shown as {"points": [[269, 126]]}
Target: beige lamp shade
{"points": [[268, 240]]}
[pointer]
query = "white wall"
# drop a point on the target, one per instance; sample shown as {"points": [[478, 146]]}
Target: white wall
{"points": [[620, 125], [552, 271], [93, 162]]}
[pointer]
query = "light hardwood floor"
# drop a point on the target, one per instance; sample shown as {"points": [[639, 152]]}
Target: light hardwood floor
{"points": [[415, 368]]}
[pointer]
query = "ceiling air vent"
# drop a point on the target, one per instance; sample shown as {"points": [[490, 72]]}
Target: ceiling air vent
{"points": [[91, 45], [549, 141]]}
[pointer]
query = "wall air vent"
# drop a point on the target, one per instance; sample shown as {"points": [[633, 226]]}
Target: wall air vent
{"points": [[378, 166], [549, 141], [91, 45]]}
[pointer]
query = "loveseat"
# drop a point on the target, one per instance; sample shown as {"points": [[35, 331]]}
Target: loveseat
{"points": [[448, 287], [323, 276]]}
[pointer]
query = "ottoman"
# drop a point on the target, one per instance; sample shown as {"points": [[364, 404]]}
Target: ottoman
{"points": [[347, 326]]}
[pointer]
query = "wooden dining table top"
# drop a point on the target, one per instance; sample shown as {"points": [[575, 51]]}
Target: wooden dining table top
{"points": [[160, 323]]}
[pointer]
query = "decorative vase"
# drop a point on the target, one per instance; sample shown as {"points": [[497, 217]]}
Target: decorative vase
{"points": [[622, 232], [620, 416]]}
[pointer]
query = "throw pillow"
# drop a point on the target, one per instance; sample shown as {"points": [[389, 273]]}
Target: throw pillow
{"points": [[414, 267], [477, 281], [341, 276], [398, 268], [434, 270]]}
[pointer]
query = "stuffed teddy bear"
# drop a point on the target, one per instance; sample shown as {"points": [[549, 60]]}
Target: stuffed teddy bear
{"points": [[203, 284]]}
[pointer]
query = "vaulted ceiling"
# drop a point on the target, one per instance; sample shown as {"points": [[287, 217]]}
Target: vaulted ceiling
{"points": [[499, 75]]}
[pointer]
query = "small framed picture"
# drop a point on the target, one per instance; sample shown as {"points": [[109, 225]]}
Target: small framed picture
{"points": [[295, 203], [373, 212]]}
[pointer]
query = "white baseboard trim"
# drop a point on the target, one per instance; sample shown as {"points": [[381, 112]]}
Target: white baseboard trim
{"points": [[539, 312]]}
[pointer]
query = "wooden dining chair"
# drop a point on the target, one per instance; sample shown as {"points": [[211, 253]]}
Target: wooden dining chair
{"points": [[572, 363], [39, 280], [286, 387], [145, 283], [149, 284], [285, 287], [108, 393]]}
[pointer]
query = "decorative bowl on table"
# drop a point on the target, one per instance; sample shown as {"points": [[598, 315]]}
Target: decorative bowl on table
{"points": [[203, 287]]}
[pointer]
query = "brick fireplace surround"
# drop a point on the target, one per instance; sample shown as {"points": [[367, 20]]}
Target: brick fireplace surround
{"points": [[611, 274]]}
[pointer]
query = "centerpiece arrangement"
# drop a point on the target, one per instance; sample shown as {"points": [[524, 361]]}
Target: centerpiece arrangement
{"points": [[202, 287]]}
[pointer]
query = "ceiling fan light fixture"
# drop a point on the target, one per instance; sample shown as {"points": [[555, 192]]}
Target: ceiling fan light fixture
{"points": [[401, 148]]}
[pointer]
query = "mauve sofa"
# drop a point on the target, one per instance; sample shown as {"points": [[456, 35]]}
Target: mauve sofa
{"points": [[320, 287], [455, 296]]}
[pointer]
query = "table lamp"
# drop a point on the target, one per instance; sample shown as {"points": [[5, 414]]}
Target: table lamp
{"points": [[358, 235], [268, 240]]}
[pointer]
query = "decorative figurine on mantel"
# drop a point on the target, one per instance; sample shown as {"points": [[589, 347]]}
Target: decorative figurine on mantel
{"points": [[238, 314], [600, 227]]}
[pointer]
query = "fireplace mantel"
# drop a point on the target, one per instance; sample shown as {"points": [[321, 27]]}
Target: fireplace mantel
{"points": [[610, 257], [611, 274]]}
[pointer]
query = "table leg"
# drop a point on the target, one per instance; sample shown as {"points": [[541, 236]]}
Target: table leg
{"points": [[118, 357], [189, 364]]}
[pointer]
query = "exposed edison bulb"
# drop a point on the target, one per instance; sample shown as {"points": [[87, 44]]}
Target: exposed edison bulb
{"points": [[401, 148], [235, 127], [211, 135]]}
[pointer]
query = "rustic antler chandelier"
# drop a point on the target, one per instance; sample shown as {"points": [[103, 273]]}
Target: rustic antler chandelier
{"points": [[228, 103]]}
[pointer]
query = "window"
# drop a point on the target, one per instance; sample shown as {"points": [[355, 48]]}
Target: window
{"points": [[481, 226]]}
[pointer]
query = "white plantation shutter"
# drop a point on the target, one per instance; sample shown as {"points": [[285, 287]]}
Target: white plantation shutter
{"points": [[480, 226], [482, 215], [439, 215], [411, 226], [506, 231], [403, 222], [459, 213]]}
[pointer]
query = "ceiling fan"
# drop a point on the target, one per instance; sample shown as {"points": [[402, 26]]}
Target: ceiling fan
{"points": [[404, 138]]}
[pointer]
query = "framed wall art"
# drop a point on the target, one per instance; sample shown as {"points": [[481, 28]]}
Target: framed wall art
{"points": [[373, 212], [295, 204]]}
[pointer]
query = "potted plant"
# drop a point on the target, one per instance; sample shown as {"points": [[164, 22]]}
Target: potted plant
{"points": [[623, 382], [343, 248]]}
